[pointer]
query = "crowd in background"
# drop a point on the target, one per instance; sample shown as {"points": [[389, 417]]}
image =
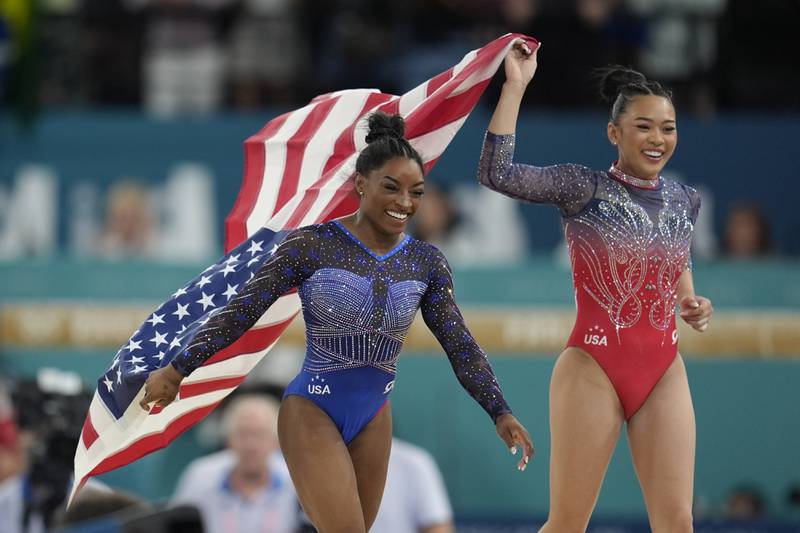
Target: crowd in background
{"points": [[175, 57], [179, 58], [244, 487]]}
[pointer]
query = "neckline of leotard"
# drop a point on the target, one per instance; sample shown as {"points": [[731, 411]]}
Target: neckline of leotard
{"points": [[633, 180], [399, 246]]}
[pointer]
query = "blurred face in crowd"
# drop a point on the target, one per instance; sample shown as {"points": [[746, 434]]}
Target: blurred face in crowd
{"points": [[745, 233], [434, 217], [252, 435], [646, 135], [392, 194]]}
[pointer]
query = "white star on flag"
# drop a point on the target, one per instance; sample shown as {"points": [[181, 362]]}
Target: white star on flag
{"points": [[230, 291], [109, 384], [156, 319], [179, 292], [159, 339], [181, 311], [134, 345], [255, 247], [206, 301], [227, 270], [204, 280]]}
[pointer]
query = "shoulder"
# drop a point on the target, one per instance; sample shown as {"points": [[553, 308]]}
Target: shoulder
{"points": [[312, 232], [692, 194], [430, 255], [305, 237]]}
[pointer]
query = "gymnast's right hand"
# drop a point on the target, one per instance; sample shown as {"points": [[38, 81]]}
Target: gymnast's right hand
{"points": [[161, 387], [512, 432], [521, 62]]}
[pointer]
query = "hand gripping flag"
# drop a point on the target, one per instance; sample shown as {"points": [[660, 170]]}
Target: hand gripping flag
{"points": [[298, 171]]}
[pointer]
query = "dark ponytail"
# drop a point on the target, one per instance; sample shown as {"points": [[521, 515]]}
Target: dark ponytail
{"points": [[619, 85], [385, 141]]}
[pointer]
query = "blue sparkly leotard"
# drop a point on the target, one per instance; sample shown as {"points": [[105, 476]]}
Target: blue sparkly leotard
{"points": [[357, 308], [629, 243]]}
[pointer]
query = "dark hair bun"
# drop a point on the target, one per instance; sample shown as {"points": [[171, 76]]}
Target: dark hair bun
{"points": [[383, 125], [613, 79]]}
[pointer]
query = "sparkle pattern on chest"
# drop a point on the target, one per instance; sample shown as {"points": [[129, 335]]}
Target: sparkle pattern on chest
{"points": [[627, 262], [354, 320]]}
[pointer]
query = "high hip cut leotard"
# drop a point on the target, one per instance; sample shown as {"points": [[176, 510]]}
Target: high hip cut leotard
{"points": [[629, 243], [357, 307]]}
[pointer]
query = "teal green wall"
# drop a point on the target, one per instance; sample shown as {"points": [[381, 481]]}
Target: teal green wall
{"points": [[748, 410], [748, 419]]}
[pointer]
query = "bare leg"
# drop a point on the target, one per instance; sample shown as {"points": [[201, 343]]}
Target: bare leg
{"points": [[585, 422], [662, 440], [370, 454], [320, 465]]}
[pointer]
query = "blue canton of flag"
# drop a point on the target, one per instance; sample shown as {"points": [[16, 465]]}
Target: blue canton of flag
{"points": [[172, 326]]}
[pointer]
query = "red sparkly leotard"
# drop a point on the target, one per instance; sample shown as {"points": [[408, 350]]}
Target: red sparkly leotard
{"points": [[629, 243]]}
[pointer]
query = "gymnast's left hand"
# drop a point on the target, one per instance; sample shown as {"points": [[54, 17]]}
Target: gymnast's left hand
{"points": [[512, 433], [696, 311]]}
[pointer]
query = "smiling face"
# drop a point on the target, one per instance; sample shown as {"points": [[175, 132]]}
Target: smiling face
{"points": [[646, 135], [391, 195]]}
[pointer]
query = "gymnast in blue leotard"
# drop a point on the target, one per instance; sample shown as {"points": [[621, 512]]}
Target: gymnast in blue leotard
{"points": [[360, 280]]}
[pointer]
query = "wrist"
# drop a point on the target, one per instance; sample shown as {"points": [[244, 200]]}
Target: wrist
{"points": [[514, 87], [174, 372]]}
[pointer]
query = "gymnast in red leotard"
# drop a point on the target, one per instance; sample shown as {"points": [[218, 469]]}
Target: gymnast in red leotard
{"points": [[629, 232]]}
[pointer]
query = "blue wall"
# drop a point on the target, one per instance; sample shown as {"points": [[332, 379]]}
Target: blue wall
{"points": [[735, 156]]}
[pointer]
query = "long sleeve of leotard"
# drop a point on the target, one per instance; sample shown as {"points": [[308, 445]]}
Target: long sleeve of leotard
{"points": [[469, 362], [291, 263], [568, 186]]}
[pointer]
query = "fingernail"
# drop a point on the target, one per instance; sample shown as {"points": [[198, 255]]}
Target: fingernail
{"points": [[526, 459], [513, 450], [695, 305]]}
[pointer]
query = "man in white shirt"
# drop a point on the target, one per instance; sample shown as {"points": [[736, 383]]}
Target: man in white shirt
{"points": [[246, 488], [415, 498]]}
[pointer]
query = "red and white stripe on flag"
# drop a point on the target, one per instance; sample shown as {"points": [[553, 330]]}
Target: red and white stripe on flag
{"points": [[298, 171]]}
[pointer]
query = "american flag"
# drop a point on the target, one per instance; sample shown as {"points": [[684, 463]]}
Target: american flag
{"points": [[298, 171]]}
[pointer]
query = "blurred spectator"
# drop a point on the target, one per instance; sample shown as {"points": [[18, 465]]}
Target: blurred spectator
{"points": [[747, 232], [745, 503], [184, 64], [793, 499], [415, 498], [750, 74], [353, 42], [578, 36], [129, 229], [12, 473], [267, 54], [50, 413], [111, 45], [681, 47], [436, 218], [471, 226], [247, 487]]}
